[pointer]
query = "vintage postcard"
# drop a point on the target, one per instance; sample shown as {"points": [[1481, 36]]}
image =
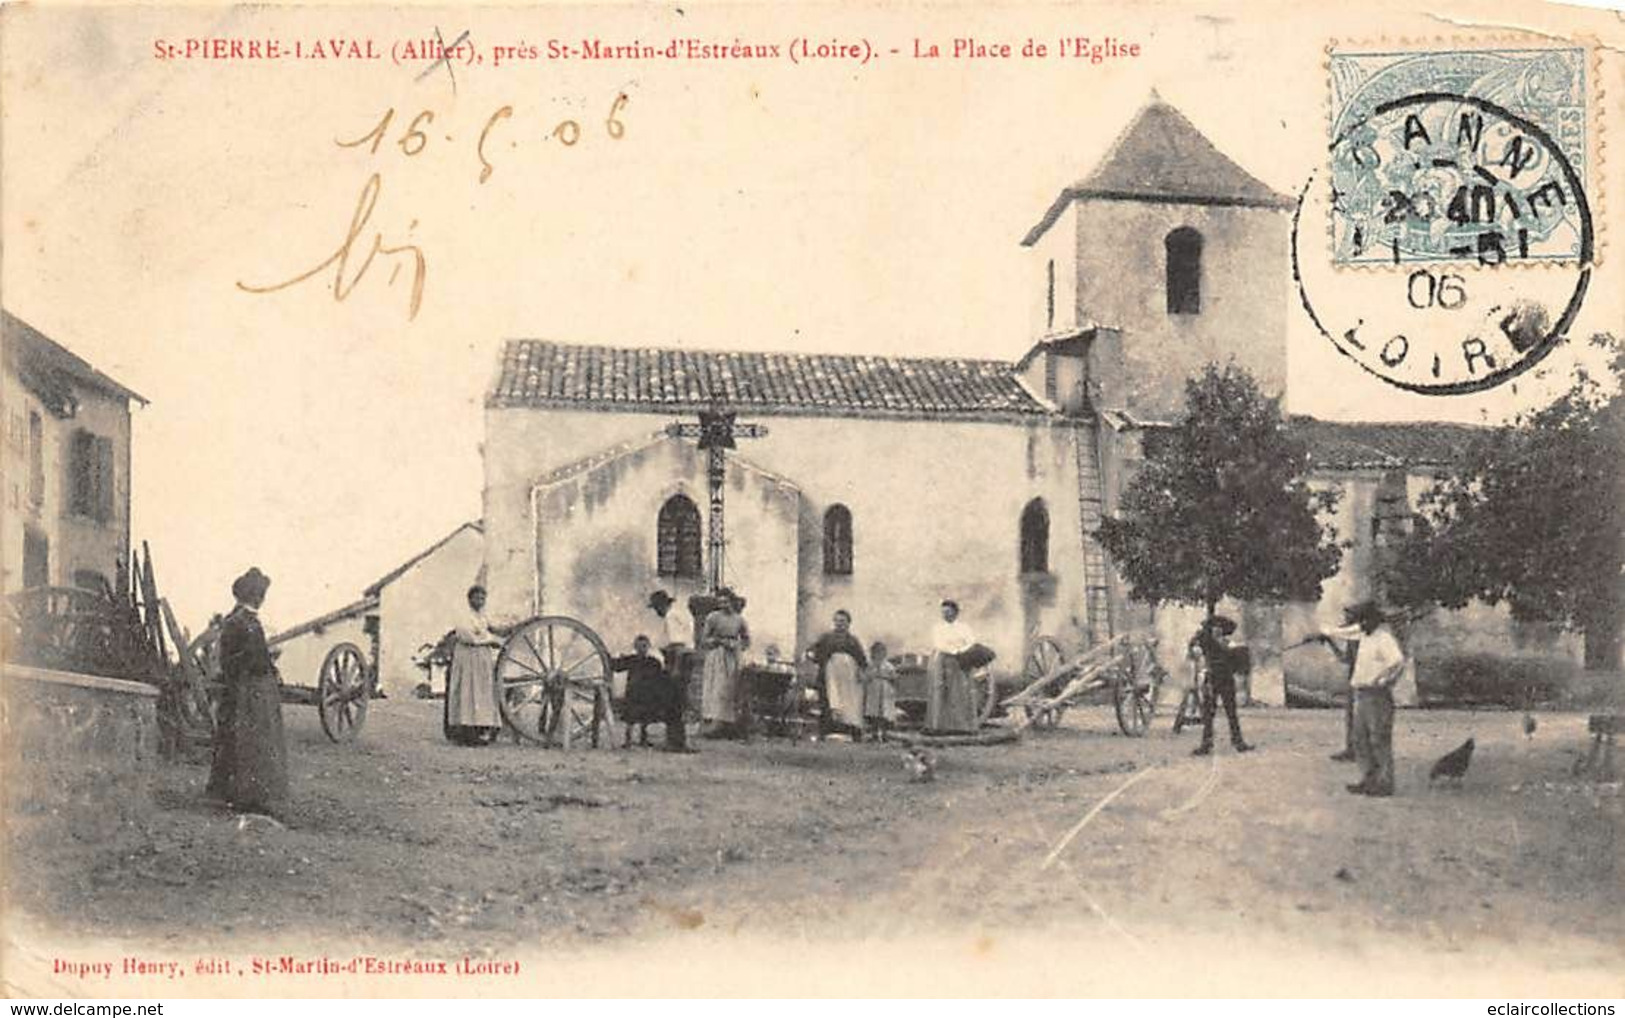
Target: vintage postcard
{"points": [[812, 500]]}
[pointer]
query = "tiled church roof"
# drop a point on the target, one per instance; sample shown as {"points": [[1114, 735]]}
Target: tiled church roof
{"points": [[537, 373], [1346, 445], [1162, 157]]}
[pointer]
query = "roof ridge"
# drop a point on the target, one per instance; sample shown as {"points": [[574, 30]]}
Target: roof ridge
{"points": [[1177, 119], [509, 342], [543, 372], [374, 589]]}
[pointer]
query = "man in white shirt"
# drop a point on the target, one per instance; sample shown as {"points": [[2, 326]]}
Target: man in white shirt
{"points": [[1378, 665], [675, 633], [676, 628]]}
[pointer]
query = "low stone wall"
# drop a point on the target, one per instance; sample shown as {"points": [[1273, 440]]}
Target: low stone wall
{"points": [[79, 750]]}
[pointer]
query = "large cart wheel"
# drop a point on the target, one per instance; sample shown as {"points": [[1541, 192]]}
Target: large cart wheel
{"points": [[1044, 658], [1134, 691], [553, 683], [343, 687]]}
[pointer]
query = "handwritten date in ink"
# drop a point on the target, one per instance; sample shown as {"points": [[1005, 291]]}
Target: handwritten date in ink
{"points": [[415, 138], [352, 259]]}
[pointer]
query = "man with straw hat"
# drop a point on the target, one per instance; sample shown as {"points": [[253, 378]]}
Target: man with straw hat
{"points": [[1379, 662]]}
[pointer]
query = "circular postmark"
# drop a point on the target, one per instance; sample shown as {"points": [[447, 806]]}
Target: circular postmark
{"points": [[1459, 245]]}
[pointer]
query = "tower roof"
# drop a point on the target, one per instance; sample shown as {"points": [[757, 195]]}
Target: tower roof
{"points": [[1162, 157]]}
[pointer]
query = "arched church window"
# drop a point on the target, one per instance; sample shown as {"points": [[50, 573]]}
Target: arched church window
{"points": [[677, 538], [1184, 259], [838, 541], [1035, 537]]}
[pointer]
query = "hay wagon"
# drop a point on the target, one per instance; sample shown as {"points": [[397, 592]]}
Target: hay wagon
{"points": [[1123, 669], [340, 691]]}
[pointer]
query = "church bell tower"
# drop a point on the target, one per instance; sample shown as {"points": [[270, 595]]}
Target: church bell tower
{"points": [[1175, 256]]}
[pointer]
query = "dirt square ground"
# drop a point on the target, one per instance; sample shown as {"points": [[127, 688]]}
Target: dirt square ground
{"points": [[809, 868]]}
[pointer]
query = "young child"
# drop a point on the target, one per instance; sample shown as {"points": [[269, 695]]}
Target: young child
{"points": [[646, 689], [879, 693]]}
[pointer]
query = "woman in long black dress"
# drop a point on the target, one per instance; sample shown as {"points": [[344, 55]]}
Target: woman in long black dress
{"points": [[249, 770]]}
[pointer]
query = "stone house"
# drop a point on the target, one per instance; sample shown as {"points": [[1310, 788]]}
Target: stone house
{"points": [[66, 480]]}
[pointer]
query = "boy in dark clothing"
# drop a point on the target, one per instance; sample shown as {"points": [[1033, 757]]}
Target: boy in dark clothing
{"points": [[1222, 662], [648, 692]]}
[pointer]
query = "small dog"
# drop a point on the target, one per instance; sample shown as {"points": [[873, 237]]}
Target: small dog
{"points": [[920, 763]]}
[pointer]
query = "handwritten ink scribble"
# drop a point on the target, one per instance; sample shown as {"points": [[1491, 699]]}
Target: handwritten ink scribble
{"points": [[339, 260]]}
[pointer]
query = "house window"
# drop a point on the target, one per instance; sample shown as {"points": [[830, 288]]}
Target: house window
{"points": [[838, 541], [90, 476], [1049, 300], [36, 558], [36, 458], [677, 538], [1035, 537], [1184, 260]]}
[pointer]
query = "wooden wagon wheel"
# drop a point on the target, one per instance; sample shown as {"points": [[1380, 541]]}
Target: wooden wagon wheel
{"points": [[343, 688], [1044, 658], [1134, 690], [553, 682]]}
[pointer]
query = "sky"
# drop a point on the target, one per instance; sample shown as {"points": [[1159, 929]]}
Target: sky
{"points": [[748, 205]]}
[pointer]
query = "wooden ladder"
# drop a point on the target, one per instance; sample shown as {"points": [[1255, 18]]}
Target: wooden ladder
{"points": [[1091, 507]]}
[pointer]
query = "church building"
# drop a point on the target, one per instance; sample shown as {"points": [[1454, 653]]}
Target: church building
{"points": [[884, 484]]}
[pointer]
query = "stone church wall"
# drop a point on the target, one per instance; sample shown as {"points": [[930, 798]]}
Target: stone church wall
{"points": [[936, 508], [596, 556]]}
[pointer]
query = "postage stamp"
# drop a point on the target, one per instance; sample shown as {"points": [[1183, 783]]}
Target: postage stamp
{"points": [[1445, 171], [1440, 156]]}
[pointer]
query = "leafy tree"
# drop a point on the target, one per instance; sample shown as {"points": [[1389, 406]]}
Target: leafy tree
{"points": [[1220, 507], [1534, 516]]}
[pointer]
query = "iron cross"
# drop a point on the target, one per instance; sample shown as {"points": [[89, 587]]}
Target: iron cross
{"points": [[715, 432]]}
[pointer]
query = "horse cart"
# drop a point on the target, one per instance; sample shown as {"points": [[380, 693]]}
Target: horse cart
{"points": [[132, 634], [342, 689], [1123, 669]]}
